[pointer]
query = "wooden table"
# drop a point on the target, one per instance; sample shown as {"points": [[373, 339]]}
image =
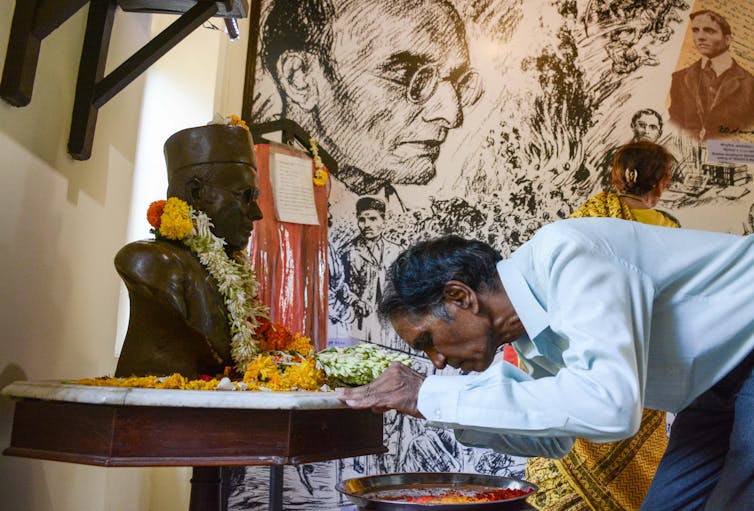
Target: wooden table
{"points": [[129, 427]]}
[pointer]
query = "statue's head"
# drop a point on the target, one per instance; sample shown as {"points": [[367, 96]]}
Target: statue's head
{"points": [[213, 168]]}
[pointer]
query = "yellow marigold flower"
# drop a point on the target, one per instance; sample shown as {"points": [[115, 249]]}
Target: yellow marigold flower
{"points": [[237, 121], [320, 177], [176, 220], [260, 370], [304, 376], [320, 173], [174, 381], [202, 385], [300, 343]]}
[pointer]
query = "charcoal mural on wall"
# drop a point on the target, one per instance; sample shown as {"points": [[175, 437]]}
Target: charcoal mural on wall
{"points": [[487, 118]]}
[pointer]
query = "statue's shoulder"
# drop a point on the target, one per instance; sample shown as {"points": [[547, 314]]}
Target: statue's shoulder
{"points": [[149, 259], [154, 248]]}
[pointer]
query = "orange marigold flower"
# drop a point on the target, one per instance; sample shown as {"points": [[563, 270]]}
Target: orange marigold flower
{"points": [[154, 213], [274, 337]]}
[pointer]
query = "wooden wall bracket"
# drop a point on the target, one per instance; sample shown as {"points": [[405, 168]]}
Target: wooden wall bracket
{"points": [[33, 20]]}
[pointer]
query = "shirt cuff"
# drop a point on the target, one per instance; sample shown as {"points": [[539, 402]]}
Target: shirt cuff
{"points": [[438, 397]]}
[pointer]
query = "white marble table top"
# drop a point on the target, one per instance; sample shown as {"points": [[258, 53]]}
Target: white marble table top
{"points": [[55, 390]]}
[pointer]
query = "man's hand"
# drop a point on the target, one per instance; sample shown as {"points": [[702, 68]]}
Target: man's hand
{"points": [[397, 388]]}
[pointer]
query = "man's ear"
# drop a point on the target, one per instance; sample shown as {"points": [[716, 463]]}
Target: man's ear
{"points": [[459, 294], [295, 70], [194, 190]]}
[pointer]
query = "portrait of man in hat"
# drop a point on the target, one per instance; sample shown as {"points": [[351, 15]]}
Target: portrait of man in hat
{"points": [[365, 260]]}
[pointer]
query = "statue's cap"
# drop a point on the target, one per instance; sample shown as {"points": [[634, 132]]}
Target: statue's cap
{"points": [[213, 143]]}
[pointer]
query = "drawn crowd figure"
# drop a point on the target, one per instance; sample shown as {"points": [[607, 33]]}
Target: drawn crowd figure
{"points": [[646, 125], [714, 96], [378, 84], [178, 318], [365, 260]]}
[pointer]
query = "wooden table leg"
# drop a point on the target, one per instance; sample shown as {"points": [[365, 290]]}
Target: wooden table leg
{"points": [[276, 487], [206, 489]]}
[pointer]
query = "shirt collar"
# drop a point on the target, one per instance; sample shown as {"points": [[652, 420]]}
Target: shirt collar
{"points": [[720, 64], [530, 312]]}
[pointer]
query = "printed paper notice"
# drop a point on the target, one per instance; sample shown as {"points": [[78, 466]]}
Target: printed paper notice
{"points": [[293, 189], [730, 152]]}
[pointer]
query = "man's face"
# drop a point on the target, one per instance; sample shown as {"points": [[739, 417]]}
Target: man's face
{"points": [[708, 37], [229, 198], [372, 116], [371, 223], [466, 342], [646, 127]]}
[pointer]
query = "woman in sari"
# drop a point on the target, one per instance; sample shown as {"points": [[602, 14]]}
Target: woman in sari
{"points": [[613, 476]]}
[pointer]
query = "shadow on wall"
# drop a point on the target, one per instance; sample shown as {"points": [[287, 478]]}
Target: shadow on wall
{"points": [[16, 474]]}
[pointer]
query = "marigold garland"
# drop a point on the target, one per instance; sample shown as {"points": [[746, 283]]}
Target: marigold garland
{"points": [[288, 363], [175, 219], [320, 172]]}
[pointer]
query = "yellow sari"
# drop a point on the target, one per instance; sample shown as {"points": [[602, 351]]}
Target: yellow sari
{"points": [[612, 476]]}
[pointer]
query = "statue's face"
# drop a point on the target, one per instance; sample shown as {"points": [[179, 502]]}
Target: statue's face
{"points": [[228, 195]]}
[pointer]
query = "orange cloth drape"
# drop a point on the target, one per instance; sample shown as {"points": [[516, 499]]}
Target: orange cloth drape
{"points": [[290, 259]]}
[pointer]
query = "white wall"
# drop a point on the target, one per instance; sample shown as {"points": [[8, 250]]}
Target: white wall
{"points": [[63, 221]]}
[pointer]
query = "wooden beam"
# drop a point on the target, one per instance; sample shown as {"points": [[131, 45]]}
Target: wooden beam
{"points": [[22, 56], [53, 13], [93, 89], [99, 26], [33, 20], [252, 52], [140, 61]]}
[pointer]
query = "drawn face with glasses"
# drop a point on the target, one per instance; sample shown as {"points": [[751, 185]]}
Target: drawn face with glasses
{"points": [[228, 193], [424, 81], [402, 80]]}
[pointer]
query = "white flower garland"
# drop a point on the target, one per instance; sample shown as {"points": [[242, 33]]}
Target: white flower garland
{"points": [[237, 283]]}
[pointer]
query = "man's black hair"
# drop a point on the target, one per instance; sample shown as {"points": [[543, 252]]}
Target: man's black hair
{"points": [[373, 203], [298, 25], [416, 280]]}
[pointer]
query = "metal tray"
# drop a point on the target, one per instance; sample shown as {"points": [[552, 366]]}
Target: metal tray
{"points": [[363, 490]]}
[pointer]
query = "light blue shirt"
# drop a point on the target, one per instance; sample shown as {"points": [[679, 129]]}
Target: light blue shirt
{"points": [[619, 315]]}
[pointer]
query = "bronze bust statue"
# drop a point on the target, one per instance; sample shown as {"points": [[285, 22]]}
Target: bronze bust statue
{"points": [[178, 320]]}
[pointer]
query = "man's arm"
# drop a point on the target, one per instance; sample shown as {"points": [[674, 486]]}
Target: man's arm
{"points": [[593, 355], [516, 445], [398, 388]]}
